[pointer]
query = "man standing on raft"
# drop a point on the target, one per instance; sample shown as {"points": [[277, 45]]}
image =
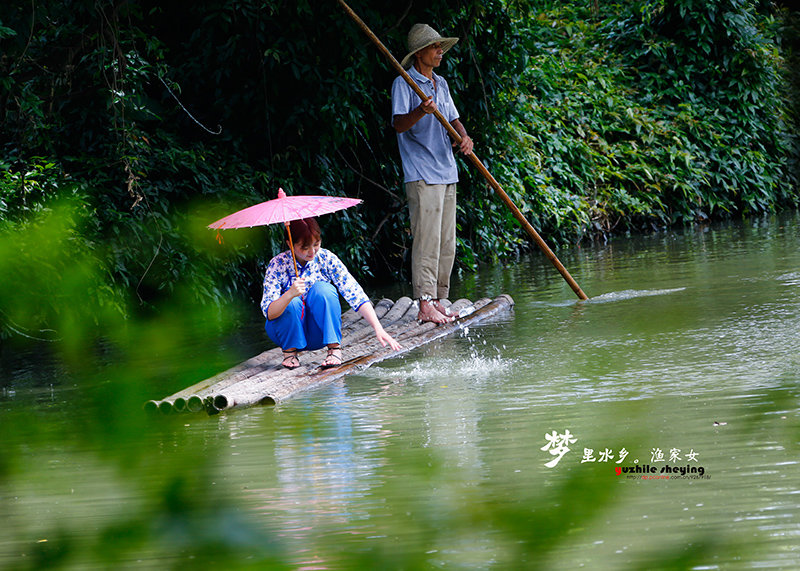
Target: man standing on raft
{"points": [[429, 169]]}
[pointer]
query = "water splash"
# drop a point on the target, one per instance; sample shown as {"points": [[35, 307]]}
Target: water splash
{"points": [[472, 366]]}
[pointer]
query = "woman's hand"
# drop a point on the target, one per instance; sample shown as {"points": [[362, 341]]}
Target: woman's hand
{"points": [[297, 288], [368, 313], [386, 339]]}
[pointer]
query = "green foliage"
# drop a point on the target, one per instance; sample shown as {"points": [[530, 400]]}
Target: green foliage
{"points": [[160, 118], [715, 71], [660, 113], [55, 290]]}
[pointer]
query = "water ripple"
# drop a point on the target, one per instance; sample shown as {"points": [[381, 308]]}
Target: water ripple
{"points": [[632, 293]]}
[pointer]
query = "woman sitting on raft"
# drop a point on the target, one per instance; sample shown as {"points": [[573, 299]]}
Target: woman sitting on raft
{"points": [[304, 313]]}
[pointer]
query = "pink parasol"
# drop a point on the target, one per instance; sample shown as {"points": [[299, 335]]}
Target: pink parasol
{"points": [[284, 209]]}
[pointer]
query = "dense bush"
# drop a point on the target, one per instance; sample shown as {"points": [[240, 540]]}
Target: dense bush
{"points": [[157, 118], [664, 112]]}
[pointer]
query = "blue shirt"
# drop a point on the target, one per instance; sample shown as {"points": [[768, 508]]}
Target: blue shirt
{"points": [[326, 266], [425, 149]]}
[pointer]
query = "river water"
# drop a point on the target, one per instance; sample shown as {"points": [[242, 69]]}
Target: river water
{"points": [[654, 426]]}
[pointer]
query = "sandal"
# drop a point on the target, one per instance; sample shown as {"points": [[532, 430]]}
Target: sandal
{"points": [[290, 360], [333, 359]]}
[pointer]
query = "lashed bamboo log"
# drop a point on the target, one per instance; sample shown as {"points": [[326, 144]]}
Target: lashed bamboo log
{"points": [[261, 380], [166, 405], [191, 398], [257, 389], [263, 389]]}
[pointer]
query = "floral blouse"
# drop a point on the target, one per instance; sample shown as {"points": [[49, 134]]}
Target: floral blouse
{"points": [[326, 266]]}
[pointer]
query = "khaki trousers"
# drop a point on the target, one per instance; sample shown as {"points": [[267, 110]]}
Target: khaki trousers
{"points": [[433, 226]]}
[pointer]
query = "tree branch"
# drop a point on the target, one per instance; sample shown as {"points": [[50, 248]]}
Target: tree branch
{"points": [[366, 178]]}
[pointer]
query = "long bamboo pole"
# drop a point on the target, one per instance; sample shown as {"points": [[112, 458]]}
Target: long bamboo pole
{"points": [[472, 157]]}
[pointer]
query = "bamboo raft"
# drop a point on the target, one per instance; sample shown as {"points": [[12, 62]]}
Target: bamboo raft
{"points": [[261, 380]]}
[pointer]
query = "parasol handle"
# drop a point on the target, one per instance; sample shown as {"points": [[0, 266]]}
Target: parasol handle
{"points": [[291, 247]]}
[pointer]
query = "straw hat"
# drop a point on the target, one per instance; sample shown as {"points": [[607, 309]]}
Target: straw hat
{"points": [[420, 37]]}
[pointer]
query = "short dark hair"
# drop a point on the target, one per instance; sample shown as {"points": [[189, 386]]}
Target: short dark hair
{"points": [[305, 232]]}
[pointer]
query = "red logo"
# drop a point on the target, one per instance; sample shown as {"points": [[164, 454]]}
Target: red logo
{"points": [[618, 470]]}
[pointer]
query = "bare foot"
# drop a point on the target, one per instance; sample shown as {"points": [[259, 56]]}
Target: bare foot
{"points": [[428, 312], [442, 309]]}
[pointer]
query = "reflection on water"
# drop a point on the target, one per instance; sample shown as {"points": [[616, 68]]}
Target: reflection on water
{"points": [[686, 355]]}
